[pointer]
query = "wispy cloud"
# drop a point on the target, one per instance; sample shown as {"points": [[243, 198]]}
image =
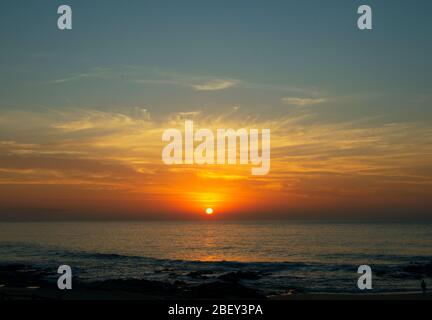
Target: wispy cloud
{"points": [[95, 73], [193, 82], [295, 95], [303, 102], [214, 85], [142, 76], [97, 120]]}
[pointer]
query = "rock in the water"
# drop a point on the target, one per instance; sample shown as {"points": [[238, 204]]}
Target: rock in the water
{"points": [[136, 285], [197, 275], [224, 290], [240, 275], [419, 269]]}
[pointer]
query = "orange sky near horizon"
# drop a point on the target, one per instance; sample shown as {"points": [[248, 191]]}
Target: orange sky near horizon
{"points": [[86, 163]]}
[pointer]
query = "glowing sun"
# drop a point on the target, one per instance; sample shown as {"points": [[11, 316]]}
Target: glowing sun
{"points": [[209, 211]]}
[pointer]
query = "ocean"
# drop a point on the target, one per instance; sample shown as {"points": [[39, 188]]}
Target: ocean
{"points": [[305, 256]]}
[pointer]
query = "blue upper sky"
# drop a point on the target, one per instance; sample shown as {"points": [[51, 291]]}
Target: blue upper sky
{"points": [[257, 54]]}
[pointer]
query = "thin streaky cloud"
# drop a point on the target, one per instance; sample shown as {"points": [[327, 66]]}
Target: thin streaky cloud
{"points": [[303, 102], [142, 75], [95, 73], [214, 85]]}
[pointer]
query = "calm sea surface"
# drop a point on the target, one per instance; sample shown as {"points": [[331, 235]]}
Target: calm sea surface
{"points": [[311, 256]]}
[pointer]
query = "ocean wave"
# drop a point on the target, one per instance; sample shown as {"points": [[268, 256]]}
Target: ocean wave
{"points": [[399, 275], [35, 250]]}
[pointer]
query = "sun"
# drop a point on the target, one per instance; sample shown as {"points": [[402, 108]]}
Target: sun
{"points": [[209, 211]]}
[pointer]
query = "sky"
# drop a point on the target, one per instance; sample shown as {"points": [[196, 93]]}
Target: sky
{"points": [[82, 111]]}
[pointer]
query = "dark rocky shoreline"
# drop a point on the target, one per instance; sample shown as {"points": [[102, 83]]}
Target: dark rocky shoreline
{"points": [[20, 281], [37, 284]]}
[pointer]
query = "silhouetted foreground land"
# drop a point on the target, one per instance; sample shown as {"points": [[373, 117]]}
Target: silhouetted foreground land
{"points": [[20, 282], [17, 283]]}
